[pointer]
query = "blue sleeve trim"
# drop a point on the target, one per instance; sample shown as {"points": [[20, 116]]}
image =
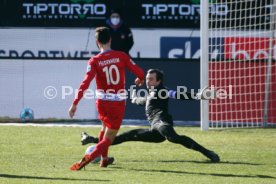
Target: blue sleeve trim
{"points": [[172, 94]]}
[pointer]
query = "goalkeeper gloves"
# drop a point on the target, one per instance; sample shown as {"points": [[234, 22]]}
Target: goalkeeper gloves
{"points": [[206, 94]]}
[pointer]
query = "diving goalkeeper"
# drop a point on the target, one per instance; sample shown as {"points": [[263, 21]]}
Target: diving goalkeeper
{"points": [[161, 122]]}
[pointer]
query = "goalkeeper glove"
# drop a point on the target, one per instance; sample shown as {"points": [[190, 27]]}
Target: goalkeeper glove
{"points": [[206, 94]]}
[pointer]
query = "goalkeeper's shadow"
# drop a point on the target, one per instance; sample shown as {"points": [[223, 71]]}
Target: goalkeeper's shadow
{"points": [[200, 162], [208, 162]]}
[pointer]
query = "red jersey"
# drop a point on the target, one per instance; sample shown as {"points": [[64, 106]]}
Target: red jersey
{"points": [[109, 69]]}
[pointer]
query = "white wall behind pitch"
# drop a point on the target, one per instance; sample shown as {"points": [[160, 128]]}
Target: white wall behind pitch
{"points": [[26, 89]]}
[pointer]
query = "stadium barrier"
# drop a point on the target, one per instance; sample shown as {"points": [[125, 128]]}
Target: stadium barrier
{"points": [[48, 87]]}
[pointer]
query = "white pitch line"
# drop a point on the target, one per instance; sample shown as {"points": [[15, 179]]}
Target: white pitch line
{"points": [[57, 125]]}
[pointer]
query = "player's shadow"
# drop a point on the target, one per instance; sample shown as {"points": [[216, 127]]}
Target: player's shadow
{"points": [[47, 178], [204, 174], [198, 162], [209, 162]]}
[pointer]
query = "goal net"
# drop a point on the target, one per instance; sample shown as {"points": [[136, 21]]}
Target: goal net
{"points": [[241, 56]]}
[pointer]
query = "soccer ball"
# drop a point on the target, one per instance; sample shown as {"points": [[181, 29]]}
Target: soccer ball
{"points": [[90, 150], [27, 115]]}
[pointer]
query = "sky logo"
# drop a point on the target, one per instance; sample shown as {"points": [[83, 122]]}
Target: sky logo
{"points": [[180, 47], [189, 47]]}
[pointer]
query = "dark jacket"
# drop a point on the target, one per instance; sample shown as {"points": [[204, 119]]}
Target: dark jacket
{"points": [[122, 38]]}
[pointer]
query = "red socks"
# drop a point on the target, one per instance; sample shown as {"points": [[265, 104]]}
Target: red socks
{"points": [[101, 135], [100, 149], [104, 154]]}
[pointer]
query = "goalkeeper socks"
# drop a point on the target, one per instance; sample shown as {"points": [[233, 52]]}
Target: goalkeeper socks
{"points": [[100, 148], [197, 147], [101, 135]]}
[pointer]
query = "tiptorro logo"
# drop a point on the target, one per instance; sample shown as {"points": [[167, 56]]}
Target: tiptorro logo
{"points": [[75, 9]]}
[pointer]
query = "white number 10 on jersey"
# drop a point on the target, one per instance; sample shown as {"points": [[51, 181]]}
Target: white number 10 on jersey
{"points": [[109, 77]]}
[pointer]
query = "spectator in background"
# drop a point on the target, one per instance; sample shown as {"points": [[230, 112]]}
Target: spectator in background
{"points": [[121, 34]]}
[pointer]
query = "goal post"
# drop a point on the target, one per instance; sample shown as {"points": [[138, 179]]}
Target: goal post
{"points": [[238, 58], [270, 59], [204, 42]]}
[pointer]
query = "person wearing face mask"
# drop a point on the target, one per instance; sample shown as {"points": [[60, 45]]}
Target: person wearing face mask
{"points": [[121, 34]]}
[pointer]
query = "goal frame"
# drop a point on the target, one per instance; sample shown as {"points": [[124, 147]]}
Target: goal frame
{"points": [[204, 62]]}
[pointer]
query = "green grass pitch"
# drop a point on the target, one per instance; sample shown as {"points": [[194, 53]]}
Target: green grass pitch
{"points": [[44, 155]]}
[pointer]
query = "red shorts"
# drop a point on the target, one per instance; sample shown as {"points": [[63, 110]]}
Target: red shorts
{"points": [[111, 113]]}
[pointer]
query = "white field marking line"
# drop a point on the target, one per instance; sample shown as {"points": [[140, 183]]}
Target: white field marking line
{"points": [[57, 125]]}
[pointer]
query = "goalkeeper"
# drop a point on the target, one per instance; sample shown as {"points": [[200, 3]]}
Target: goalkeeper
{"points": [[160, 120]]}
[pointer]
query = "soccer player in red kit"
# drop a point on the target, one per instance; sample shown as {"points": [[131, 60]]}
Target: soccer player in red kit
{"points": [[109, 69]]}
